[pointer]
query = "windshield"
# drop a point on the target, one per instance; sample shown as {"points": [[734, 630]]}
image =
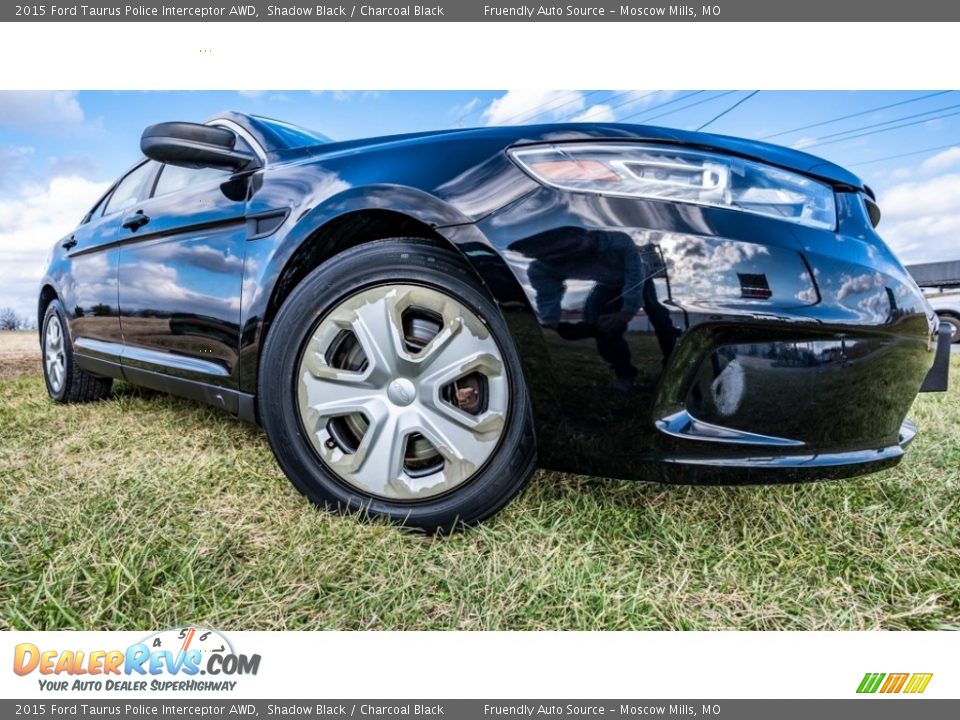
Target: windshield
{"points": [[291, 136]]}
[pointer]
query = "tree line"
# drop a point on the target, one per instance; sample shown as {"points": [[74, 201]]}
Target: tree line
{"points": [[10, 320]]}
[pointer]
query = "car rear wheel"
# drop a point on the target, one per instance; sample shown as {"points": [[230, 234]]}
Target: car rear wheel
{"points": [[66, 383], [389, 384]]}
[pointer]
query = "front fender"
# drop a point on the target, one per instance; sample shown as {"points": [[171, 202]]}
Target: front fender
{"points": [[270, 260]]}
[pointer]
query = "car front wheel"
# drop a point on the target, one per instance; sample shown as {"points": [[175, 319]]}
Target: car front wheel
{"points": [[389, 384]]}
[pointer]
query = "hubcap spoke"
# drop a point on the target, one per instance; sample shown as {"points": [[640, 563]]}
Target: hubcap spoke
{"points": [[379, 463], [376, 329], [335, 394], [462, 449], [486, 363]]}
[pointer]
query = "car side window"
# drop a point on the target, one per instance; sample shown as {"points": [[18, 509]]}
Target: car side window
{"points": [[127, 192], [174, 178], [96, 210]]}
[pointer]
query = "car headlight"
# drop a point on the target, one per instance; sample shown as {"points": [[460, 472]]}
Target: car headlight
{"points": [[681, 175]]}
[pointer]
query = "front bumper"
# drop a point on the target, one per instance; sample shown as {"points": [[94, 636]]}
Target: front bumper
{"points": [[692, 344]]}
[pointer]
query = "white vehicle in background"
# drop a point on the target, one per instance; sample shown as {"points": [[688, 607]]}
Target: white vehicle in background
{"points": [[940, 282], [946, 303]]}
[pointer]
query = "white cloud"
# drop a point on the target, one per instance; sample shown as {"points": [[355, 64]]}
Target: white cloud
{"points": [[933, 165], [517, 107], [634, 101], [30, 223], [344, 95], [926, 239], [14, 160], [72, 166], [945, 160], [921, 218], [595, 113], [919, 198], [40, 109], [265, 96]]}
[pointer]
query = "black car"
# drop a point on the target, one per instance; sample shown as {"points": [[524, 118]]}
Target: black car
{"points": [[417, 321]]}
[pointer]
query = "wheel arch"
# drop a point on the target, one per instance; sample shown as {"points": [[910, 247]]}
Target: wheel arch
{"points": [[336, 234], [48, 294], [320, 236], [364, 215]]}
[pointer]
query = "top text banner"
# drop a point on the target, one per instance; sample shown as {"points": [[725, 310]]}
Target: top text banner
{"points": [[476, 11]]}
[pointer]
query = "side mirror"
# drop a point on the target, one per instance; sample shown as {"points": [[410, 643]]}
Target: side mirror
{"points": [[194, 145]]}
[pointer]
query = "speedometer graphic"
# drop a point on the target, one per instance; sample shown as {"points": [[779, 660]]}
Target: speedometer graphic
{"points": [[183, 639]]}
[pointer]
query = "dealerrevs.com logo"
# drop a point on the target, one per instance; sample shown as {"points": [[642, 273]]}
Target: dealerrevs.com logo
{"points": [[892, 683], [169, 660]]}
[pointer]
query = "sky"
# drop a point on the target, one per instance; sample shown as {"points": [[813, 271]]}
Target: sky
{"points": [[60, 150]]}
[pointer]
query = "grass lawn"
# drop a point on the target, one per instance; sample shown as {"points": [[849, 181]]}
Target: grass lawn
{"points": [[146, 511]]}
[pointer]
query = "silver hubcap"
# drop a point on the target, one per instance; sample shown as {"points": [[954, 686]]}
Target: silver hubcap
{"points": [[403, 392], [53, 357]]}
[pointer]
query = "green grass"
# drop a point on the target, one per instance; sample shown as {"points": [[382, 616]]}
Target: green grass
{"points": [[147, 511]]}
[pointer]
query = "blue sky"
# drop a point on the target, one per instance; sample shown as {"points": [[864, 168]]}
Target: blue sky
{"points": [[59, 150]]}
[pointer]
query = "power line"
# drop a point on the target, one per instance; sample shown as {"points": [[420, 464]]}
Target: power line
{"points": [[882, 130], [510, 119], [719, 115], [471, 107], [628, 101], [887, 122], [856, 114], [686, 107], [906, 154], [693, 104], [660, 105], [536, 111]]}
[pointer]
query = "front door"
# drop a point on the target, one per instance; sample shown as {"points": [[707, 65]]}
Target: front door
{"points": [[181, 273], [90, 295]]}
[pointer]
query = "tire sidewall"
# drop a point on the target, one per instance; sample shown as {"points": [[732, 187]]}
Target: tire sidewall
{"points": [[55, 309], [384, 263]]}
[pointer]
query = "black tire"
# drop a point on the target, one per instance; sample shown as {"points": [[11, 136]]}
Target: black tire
{"points": [[388, 262], [953, 322], [76, 385]]}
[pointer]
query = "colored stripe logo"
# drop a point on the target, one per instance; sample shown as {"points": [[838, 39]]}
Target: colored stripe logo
{"points": [[913, 683]]}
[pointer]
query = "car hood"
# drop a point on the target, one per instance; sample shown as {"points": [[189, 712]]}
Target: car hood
{"points": [[509, 136]]}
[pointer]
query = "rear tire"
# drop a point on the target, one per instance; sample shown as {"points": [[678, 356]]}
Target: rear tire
{"points": [[389, 385], [66, 383]]}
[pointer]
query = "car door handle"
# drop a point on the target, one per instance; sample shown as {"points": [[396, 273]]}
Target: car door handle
{"points": [[67, 244], [135, 221]]}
